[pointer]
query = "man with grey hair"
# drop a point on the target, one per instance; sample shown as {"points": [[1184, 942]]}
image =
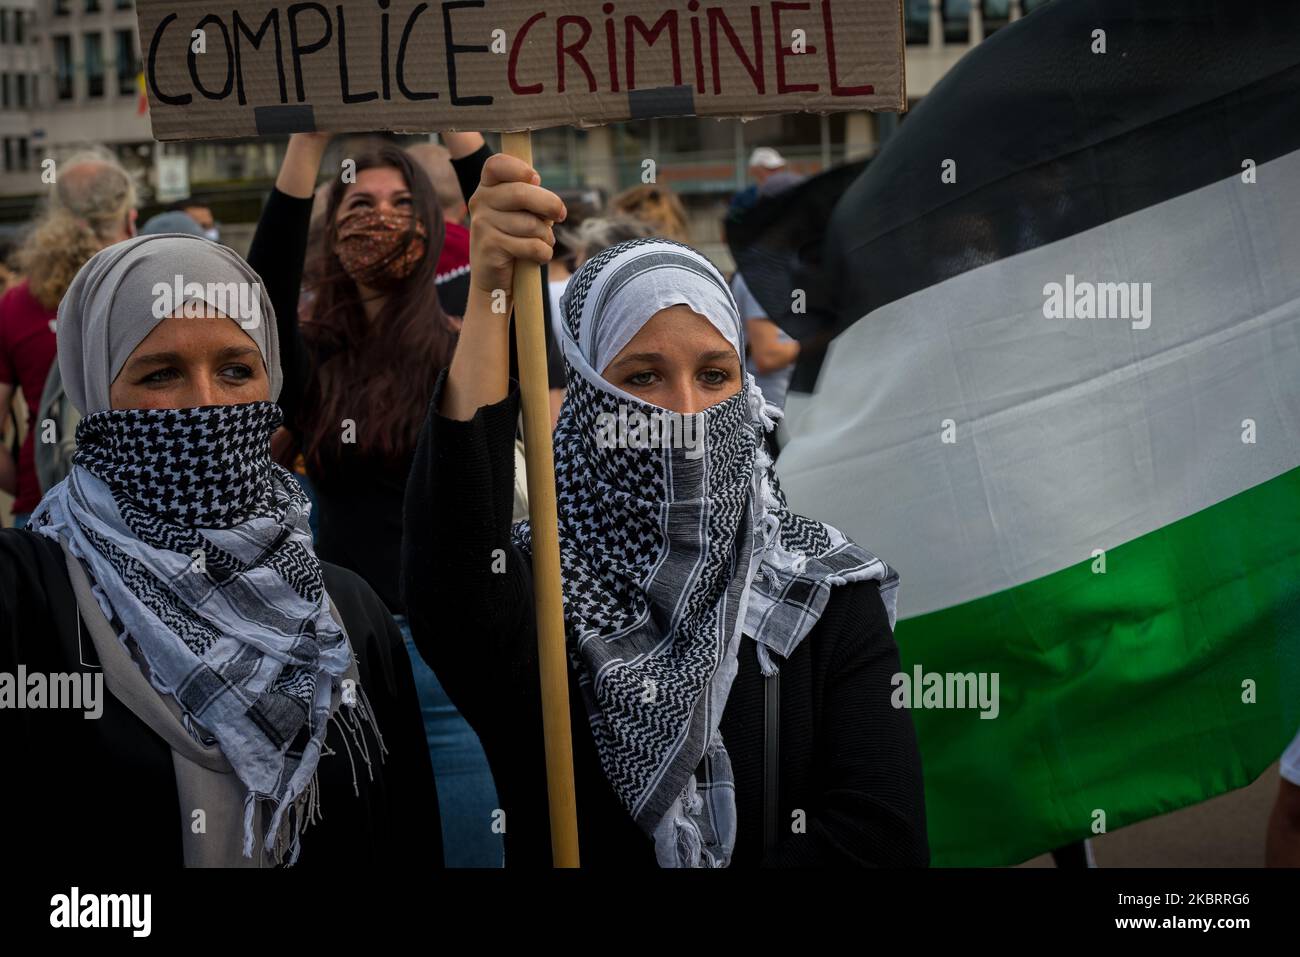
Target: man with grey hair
{"points": [[92, 205], [93, 185]]}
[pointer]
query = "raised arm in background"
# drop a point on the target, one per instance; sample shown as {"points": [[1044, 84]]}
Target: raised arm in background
{"points": [[278, 253], [511, 218]]}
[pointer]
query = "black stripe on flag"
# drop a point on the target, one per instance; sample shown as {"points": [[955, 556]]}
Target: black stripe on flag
{"points": [[1051, 139]]}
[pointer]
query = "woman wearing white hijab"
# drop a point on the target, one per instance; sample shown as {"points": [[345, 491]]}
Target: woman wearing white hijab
{"points": [[687, 583], [247, 690]]}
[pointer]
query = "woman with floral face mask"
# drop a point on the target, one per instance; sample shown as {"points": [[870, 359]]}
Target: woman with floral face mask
{"points": [[688, 585], [252, 704], [356, 384], [368, 320]]}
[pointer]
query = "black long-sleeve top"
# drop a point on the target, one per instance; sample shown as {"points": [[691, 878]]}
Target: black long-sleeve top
{"points": [[358, 498], [92, 793], [848, 759]]}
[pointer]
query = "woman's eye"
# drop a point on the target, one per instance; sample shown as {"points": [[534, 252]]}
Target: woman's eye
{"points": [[159, 377], [715, 376], [404, 201], [240, 372], [642, 379]]}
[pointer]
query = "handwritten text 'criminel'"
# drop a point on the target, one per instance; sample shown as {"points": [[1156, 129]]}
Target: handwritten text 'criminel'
{"points": [[608, 65]]}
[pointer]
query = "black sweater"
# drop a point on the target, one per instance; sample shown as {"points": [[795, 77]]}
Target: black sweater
{"points": [[81, 792], [358, 498], [849, 759]]}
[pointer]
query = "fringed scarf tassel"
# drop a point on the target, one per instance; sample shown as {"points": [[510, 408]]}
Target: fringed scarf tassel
{"points": [[291, 819]]}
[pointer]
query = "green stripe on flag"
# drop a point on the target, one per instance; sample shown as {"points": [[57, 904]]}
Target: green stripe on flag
{"points": [[1119, 692]]}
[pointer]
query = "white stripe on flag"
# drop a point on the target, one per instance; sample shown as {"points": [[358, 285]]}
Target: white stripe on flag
{"points": [[1071, 434]]}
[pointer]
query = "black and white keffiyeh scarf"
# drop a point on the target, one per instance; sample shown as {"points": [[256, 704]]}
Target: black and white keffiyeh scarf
{"points": [[200, 553], [671, 554]]}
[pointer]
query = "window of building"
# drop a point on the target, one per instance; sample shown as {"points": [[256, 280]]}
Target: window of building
{"points": [[24, 155], [60, 8], [128, 64], [4, 25], [916, 21], [63, 66], [94, 50], [9, 154], [20, 26], [20, 88], [4, 90], [956, 21], [122, 5], [92, 6], [997, 14]]}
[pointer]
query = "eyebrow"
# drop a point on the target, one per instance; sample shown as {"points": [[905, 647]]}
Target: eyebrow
{"points": [[640, 357], [718, 355], [366, 194], [714, 355], [175, 358]]}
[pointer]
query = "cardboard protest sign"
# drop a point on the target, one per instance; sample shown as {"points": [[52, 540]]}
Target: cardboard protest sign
{"points": [[218, 69]]}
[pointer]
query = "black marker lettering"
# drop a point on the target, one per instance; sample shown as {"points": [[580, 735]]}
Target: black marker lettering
{"points": [[298, 49], [401, 58], [383, 49], [343, 66], [153, 67], [454, 48], [230, 60], [272, 20]]}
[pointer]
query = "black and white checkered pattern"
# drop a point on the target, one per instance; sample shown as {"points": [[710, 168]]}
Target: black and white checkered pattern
{"points": [[202, 547], [199, 478], [657, 550]]}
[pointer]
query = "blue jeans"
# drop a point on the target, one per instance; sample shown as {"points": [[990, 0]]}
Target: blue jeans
{"points": [[467, 796], [20, 519]]}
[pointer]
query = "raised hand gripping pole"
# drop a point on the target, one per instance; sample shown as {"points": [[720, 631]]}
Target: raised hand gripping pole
{"points": [[530, 339]]}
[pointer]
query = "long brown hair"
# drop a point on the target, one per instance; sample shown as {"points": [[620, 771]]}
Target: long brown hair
{"points": [[379, 372]]}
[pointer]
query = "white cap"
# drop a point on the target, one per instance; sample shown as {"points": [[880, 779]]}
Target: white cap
{"points": [[767, 158]]}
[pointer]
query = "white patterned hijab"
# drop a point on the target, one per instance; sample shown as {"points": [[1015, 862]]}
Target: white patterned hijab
{"points": [[671, 554]]}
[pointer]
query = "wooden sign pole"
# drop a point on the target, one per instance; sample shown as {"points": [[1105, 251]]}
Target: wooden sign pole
{"points": [[530, 339]]}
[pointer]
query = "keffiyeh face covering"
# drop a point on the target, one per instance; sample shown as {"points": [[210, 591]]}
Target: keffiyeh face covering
{"points": [[200, 553], [671, 554]]}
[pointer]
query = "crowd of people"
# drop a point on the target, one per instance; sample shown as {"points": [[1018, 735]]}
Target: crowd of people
{"points": [[295, 544], [297, 549]]}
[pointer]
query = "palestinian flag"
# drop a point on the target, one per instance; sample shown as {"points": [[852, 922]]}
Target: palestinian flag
{"points": [[1063, 399]]}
